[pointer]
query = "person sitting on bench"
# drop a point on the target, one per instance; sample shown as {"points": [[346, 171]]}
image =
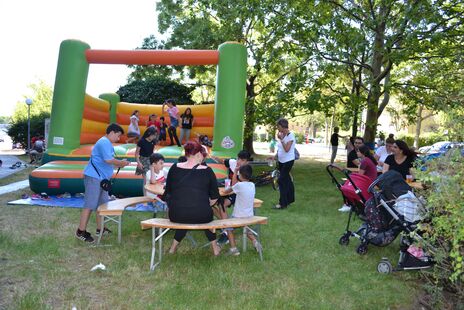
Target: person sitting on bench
{"points": [[245, 191], [191, 190]]}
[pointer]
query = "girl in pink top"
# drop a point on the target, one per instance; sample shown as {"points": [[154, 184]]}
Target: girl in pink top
{"points": [[368, 164]]}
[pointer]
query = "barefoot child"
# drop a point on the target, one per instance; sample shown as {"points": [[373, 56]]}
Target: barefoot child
{"points": [[245, 191]]}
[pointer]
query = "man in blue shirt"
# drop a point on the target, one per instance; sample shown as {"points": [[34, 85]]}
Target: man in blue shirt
{"points": [[99, 167]]}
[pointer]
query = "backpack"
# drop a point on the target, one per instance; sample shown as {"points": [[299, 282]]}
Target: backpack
{"points": [[297, 154]]}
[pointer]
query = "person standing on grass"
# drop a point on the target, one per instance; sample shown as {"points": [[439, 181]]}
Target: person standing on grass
{"points": [[286, 159], [173, 112], [99, 167], [334, 143]]}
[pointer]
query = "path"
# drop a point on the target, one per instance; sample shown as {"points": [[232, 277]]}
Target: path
{"points": [[8, 161]]}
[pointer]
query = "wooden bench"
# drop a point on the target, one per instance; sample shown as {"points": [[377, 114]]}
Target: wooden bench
{"points": [[112, 212], [164, 225]]}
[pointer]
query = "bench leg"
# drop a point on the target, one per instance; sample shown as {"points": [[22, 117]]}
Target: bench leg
{"points": [[257, 235], [244, 238], [157, 239], [102, 222]]}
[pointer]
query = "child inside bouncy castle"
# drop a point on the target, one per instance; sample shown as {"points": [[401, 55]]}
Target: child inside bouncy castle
{"points": [[163, 127]]}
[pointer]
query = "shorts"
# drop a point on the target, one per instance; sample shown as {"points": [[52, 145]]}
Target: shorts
{"points": [[146, 166], [133, 134], [94, 194], [231, 198]]}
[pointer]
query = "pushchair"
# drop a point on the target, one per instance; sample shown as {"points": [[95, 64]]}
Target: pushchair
{"points": [[394, 210], [354, 188]]}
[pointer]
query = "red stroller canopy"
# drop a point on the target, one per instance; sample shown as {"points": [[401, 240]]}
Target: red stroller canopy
{"points": [[362, 182]]}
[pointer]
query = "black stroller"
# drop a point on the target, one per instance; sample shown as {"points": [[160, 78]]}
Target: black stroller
{"points": [[392, 210]]}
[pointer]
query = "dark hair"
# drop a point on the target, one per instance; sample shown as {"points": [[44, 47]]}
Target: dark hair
{"points": [[336, 129], [171, 101], [151, 115], [246, 172], [192, 147], [366, 151], [359, 138], [150, 131], [282, 122], [244, 154], [135, 112], [162, 118], [182, 159], [391, 135], [156, 157], [113, 127], [390, 140], [185, 112], [352, 140], [405, 148]]}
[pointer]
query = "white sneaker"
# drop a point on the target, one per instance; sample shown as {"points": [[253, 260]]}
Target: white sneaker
{"points": [[233, 252], [345, 208]]}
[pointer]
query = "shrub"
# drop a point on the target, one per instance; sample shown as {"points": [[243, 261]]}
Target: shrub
{"points": [[445, 231], [18, 128], [300, 138], [424, 139]]}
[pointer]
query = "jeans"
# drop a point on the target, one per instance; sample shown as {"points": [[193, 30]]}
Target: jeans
{"points": [[173, 135], [184, 132], [286, 187], [334, 153], [180, 234]]}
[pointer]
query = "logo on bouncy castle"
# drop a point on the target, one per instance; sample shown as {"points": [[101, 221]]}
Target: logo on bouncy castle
{"points": [[227, 143], [53, 183]]}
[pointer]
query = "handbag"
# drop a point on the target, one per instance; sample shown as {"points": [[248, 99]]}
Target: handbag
{"points": [[105, 184]]}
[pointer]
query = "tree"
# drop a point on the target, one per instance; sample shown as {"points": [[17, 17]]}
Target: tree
{"points": [[42, 95], [155, 89], [390, 31], [276, 80], [41, 101]]}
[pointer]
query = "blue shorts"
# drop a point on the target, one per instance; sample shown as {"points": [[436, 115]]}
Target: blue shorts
{"points": [[94, 194]]}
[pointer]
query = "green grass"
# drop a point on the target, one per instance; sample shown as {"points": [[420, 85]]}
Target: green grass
{"points": [[43, 266]]}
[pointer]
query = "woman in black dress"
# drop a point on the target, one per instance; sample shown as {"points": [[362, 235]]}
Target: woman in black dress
{"points": [[402, 159], [191, 190]]}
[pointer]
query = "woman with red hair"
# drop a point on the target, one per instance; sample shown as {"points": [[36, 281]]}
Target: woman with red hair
{"points": [[191, 190]]}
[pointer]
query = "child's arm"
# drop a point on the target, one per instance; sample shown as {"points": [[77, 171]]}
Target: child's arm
{"points": [[234, 177]]}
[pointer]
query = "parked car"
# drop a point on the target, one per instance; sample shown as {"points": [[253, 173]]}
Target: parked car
{"points": [[438, 149]]}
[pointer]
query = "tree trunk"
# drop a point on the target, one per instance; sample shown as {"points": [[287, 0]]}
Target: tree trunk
{"points": [[249, 115], [374, 91], [418, 125], [326, 135]]}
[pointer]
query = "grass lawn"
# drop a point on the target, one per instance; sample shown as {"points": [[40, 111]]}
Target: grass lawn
{"points": [[42, 264]]}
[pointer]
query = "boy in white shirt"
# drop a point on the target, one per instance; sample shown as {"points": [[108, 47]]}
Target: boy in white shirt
{"points": [[243, 207], [156, 175]]}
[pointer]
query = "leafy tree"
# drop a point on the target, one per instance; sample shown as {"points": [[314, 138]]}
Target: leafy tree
{"points": [[375, 37], [41, 101], [18, 128], [276, 80], [155, 89]]}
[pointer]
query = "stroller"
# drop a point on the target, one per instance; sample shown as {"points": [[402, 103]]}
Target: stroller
{"points": [[392, 210], [355, 195]]}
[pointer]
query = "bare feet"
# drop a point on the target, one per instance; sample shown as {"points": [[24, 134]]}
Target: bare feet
{"points": [[216, 248], [173, 248]]}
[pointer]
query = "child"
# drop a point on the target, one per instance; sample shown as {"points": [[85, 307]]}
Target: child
{"points": [[162, 129], [156, 175], [245, 191]]}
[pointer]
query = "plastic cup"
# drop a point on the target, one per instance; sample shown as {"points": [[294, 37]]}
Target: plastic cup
{"points": [[409, 178]]}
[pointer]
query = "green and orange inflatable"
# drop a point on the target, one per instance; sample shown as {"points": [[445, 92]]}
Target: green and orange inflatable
{"points": [[78, 120]]}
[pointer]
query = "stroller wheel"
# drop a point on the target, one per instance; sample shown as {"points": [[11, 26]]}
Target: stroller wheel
{"points": [[361, 249], [384, 266], [344, 240]]}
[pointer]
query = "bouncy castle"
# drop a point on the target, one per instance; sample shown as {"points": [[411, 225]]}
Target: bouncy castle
{"points": [[78, 120]]}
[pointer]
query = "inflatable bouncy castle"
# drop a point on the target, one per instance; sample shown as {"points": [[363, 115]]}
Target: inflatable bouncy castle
{"points": [[78, 120]]}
